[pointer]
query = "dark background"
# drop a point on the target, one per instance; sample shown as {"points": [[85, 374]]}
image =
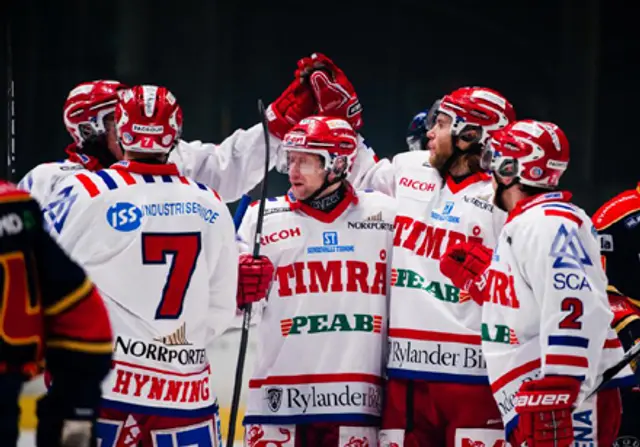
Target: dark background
{"points": [[571, 62]]}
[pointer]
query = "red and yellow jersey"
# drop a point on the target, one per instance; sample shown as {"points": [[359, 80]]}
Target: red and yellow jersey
{"points": [[48, 308]]}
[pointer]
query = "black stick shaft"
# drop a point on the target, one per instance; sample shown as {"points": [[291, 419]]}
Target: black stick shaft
{"points": [[246, 318]]}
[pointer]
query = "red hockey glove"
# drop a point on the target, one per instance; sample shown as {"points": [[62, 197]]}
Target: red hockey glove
{"points": [[295, 103], [544, 407], [464, 263], [254, 278], [333, 92]]}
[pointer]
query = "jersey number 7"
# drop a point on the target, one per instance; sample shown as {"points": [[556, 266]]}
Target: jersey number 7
{"points": [[185, 248]]}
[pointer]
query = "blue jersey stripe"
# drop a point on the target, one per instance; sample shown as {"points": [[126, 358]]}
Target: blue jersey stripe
{"points": [[568, 340], [201, 186], [167, 179], [558, 205], [106, 178], [148, 178]]}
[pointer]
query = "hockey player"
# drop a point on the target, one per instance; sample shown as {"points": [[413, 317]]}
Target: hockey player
{"points": [[437, 374], [161, 248], [233, 167], [50, 310], [545, 322], [618, 226], [417, 132], [318, 376]]}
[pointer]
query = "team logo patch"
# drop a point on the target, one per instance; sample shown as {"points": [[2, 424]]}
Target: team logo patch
{"points": [[568, 250], [274, 398]]}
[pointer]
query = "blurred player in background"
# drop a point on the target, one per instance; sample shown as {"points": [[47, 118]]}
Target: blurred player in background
{"points": [[618, 226], [318, 375], [417, 132], [50, 311]]}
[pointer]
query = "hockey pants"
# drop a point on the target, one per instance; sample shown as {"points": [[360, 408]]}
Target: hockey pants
{"points": [[438, 414], [117, 428], [310, 435]]}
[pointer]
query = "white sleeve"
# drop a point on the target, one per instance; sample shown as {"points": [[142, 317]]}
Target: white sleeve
{"points": [[246, 231], [560, 260], [223, 276], [233, 167], [380, 177]]}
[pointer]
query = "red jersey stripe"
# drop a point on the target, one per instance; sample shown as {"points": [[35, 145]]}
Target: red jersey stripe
{"points": [[316, 378], [415, 334], [88, 184]]}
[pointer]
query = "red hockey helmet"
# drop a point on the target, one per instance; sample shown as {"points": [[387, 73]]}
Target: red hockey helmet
{"points": [[535, 152], [475, 112], [332, 138], [148, 119], [87, 106]]}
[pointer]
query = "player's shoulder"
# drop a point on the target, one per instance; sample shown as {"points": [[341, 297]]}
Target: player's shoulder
{"points": [[548, 211], [50, 172], [18, 210], [412, 159], [100, 184], [11, 196], [617, 208], [273, 206], [371, 198]]}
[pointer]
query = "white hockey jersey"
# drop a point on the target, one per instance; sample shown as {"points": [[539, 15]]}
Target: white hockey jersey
{"points": [[434, 330], [233, 167], [323, 332], [548, 312], [161, 249]]}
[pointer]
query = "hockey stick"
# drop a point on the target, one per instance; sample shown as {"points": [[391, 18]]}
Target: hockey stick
{"points": [[11, 117], [629, 356], [246, 318]]}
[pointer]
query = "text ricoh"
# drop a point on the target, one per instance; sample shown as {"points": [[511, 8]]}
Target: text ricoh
{"points": [[160, 353], [407, 352]]}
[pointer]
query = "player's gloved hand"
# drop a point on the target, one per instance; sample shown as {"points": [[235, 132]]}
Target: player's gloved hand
{"points": [[544, 407], [254, 278], [295, 103], [333, 92], [464, 263], [68, 418]]}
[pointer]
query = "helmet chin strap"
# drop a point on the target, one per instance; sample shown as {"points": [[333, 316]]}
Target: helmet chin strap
{"points": [[325, 184], [498, 198]]}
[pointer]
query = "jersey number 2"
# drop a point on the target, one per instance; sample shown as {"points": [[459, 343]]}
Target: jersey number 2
{"points": [[575, 309], [184, 248]]}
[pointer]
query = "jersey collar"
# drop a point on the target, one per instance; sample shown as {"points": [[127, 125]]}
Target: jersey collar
{"points": [[349, 197], [530, 202], [90, 163], [473, 178], [146, 168]]}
